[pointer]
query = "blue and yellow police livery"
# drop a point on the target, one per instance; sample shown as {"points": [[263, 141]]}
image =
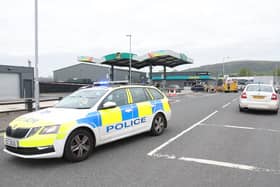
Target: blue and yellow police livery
{"points": [[85, 119]]}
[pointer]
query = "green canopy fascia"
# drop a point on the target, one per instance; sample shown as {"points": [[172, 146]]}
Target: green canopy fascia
{"points": [[118, 56]]}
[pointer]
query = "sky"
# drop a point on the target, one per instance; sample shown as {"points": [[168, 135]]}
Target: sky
{"points": [[206, 31]]}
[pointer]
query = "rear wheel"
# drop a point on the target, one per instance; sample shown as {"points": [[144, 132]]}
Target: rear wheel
{"points": [[275, 112], [79, 145], [241, 109], [158, 125]]}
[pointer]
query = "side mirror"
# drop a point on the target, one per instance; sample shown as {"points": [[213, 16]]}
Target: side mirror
{"points": [[109, 104]]}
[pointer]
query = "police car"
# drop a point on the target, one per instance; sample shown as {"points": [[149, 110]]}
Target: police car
{"points": [[85, 119]]}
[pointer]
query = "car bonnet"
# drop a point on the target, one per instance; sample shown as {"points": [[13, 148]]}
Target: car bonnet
{"points": [[50, 116]]}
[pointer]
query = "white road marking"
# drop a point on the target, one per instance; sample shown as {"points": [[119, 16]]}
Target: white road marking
{"points": [[1, 134], [216, 163], [228, 165], [234, 99], [226, 105], [170, 157], [180, 134], [176, 101], [241, 127]]}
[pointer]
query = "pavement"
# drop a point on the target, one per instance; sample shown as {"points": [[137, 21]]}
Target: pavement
{"points": [[208, 142]]}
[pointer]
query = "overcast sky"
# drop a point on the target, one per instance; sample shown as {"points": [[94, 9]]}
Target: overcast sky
{"points": [[205, 30]]}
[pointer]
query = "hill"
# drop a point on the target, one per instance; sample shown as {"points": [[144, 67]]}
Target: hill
{"points": [[233, 67]]}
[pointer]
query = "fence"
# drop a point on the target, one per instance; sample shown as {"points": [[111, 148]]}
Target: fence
{"points": [[26, 105]]}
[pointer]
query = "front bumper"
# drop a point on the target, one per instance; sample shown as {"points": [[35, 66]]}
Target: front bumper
{"points": [[53, 151], [259, 105]]}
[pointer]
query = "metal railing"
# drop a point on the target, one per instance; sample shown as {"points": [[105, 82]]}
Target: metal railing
{"points": [[28, 105]]}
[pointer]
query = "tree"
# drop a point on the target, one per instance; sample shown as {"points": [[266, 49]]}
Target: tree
{"points": [[243, 72]]}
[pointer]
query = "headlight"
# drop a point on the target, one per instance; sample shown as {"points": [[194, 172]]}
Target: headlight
{"points": [[32, 131], [53, 129]]}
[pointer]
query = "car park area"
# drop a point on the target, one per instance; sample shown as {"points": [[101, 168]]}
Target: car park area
{"points": [[208, 142]]}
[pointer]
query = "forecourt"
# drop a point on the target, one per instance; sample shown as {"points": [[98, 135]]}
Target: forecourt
{"points": [[207, 143]]}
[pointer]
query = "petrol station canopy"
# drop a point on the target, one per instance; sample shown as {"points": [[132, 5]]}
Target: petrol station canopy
{"points": [[165, 58], [157, 58]]}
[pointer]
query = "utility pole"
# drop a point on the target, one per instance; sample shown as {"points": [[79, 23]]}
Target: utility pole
{"points": [[37, 91]]}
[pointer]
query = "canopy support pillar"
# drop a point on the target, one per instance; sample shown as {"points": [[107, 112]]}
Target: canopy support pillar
{"points": [[112, 73], [164, 77], [151, 74]]}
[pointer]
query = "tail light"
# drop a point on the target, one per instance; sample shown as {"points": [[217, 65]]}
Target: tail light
{"points": [[244, 95], [274, 97]]}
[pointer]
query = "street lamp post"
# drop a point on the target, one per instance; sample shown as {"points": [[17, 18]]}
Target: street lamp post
{"points": [[37, 92], [130, 56]]}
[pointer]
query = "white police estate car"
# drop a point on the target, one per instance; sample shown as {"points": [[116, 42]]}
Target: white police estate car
{"points": [[85, 119]]}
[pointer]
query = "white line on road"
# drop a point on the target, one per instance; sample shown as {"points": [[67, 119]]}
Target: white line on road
{"points": [[216, 163], [228, 165], [241, 127], [234, 99], [180, 134], [226, 105], [170, 157], [176, 101]]}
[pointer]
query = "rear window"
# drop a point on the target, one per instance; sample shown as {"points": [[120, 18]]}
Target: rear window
{"points": [[259, 88], [139, 95], [156, 94]]}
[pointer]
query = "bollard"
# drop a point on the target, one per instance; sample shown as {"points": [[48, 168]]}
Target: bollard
{"points": [[29, 105]]}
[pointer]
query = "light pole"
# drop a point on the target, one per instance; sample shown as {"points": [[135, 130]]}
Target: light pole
{"points": [[37, 92], [130, 56]]}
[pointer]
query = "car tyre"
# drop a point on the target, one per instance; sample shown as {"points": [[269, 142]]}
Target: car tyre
{"points": [[158, 125], [241, 109], [79, 145]]}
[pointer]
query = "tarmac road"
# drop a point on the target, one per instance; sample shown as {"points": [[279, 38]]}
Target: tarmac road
{"points": [[208, 143]]}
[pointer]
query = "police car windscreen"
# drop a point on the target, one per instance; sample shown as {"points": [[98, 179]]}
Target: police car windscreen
{"points": [[82, 99]]}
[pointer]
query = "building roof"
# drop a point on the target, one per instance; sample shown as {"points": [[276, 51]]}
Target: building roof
{"points": [[96, 64]]}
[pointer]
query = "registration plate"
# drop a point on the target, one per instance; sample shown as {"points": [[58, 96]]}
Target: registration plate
{"points": [[11, 142], [258, 97]]}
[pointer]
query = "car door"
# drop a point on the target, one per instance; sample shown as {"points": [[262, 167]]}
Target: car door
{"points": [[142, 109], [115, 121]]}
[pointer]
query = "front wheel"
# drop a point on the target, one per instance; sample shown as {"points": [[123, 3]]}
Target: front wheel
{"points": [[158, 125], [79, 145]]}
